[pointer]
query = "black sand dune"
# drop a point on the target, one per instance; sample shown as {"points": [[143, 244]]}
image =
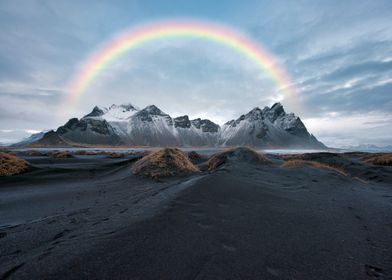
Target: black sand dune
{"points": [[90, 217]]}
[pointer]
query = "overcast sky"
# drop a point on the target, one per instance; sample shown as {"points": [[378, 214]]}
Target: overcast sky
{"points": [[338, 53]]}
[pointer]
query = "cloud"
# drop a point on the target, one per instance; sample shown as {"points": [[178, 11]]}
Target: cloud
{"points": [[365, 68], [339, 54], [347, 130]]}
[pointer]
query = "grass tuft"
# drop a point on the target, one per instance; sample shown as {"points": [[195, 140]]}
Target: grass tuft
{"points": [[60, 154], [33, 153], [299, 162], [11, 165], [379, 159], [235, 154], [164, 163]]}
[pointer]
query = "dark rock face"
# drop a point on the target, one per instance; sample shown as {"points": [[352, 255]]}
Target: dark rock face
{"points": [[96, 112], [148, 113], [89, 131], [205, 125], [182, 122], [51, 139], [275, 112], [98, 126]]}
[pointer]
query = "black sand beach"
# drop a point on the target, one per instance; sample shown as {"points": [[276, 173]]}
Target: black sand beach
{"points": [[90, 217]]}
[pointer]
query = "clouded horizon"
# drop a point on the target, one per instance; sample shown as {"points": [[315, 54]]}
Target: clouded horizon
{"points": [[338, 53]]}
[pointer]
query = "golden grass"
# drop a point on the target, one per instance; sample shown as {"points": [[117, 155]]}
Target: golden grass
{"points": [[11, 165], [115, 155], [85, 153], [33, 153], [60, 154], [298, 162], [379, 159], [164, 163], [246, 153]]}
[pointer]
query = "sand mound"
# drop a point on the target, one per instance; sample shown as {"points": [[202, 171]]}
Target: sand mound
{"points": [[331, 161], [315, 164], [10, 165], [195, 157], [163, 163], [235, 155], [379, 159], [339, 161], [60, 154]]}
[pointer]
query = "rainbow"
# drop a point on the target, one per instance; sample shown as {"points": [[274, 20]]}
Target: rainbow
{"points": [[137, 36]]}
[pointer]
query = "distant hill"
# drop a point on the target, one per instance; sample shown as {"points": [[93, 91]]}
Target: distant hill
{"points": [[369, 148], [31, 139]]}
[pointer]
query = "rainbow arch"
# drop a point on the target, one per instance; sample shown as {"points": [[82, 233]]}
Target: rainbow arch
{"points": [[137, 36]]}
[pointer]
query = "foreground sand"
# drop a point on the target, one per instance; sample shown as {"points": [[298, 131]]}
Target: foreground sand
{"points": [[89, 217]]}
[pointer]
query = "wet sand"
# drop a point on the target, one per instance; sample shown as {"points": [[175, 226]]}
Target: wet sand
{"points": [[89, 217]]}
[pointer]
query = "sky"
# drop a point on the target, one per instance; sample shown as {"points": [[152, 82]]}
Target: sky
{"points": [[337, 53]]}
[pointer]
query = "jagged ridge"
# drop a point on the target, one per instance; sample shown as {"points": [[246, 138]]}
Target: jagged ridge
{"points": [[127, 125]]}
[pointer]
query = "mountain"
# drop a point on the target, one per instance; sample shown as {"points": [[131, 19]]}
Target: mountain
{"points": [[52, 139], [269, 127], [31, 139], [128, 125]]}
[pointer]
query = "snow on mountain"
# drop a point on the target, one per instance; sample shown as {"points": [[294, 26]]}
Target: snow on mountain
{"points": [[128, 125], [114, 113], [269, 127]]}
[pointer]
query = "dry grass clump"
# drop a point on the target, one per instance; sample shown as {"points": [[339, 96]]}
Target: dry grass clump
{"points": [[164, 163], [379, 159], [11, 165], [146, 153], [33, 153], [298, 162], [114, 155], [240, 154], [60, 154], [85, 153]]}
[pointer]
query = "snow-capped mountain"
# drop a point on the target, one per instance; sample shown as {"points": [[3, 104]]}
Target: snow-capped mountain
{"points": [[128, 125], [269, 127]]}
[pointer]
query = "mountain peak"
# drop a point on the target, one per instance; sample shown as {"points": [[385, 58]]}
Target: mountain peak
{"points": [[96, 112], [275, 111], [128, 107], [205, 125], [255, 112], [153, 110], [255, 109], [278, 107], [182, 121], [125, 107]]}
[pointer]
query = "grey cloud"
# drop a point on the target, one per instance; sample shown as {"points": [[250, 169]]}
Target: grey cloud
{"points": [[370, 67]]}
